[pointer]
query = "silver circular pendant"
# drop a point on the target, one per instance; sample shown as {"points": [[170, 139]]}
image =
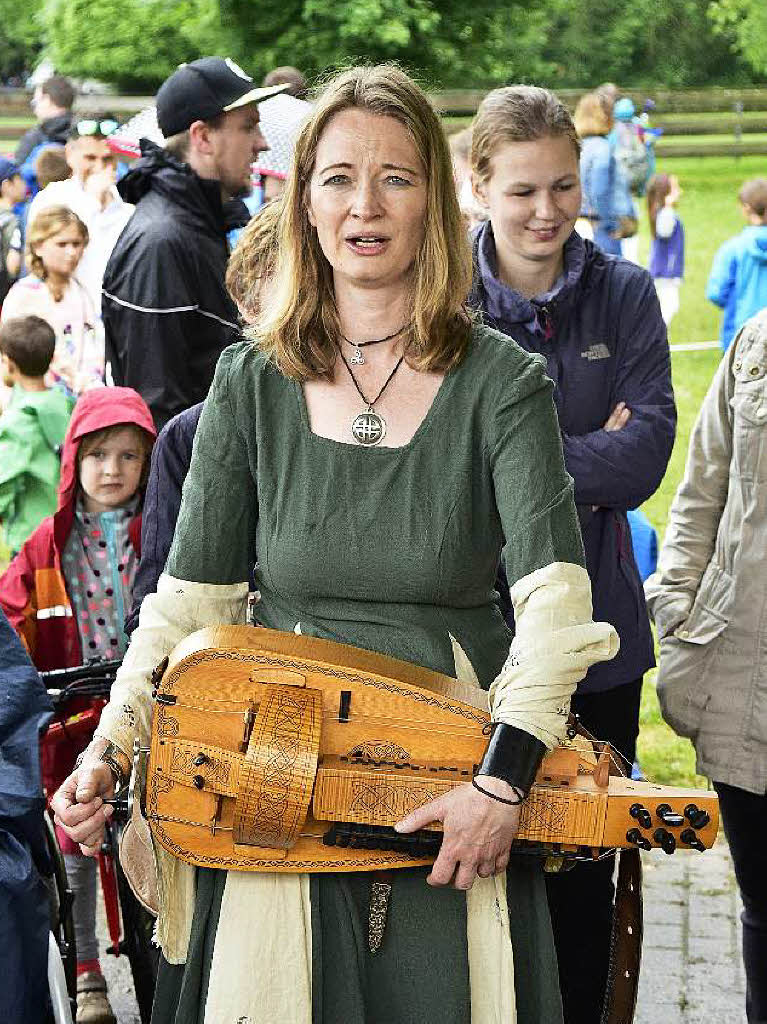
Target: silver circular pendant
{"points": [[369, 428]]}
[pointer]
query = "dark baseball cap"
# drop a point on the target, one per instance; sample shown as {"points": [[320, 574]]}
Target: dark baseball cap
{"points": [[203, 89], [8, 169]]}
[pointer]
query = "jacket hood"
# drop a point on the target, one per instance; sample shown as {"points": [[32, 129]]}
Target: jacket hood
{"points": [[56, 129], [503, 303], [157, 171], [95, 410], [756, 244], [50, 408]]}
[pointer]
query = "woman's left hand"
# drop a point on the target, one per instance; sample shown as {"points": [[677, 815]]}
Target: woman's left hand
{"points": [[478, 832]]}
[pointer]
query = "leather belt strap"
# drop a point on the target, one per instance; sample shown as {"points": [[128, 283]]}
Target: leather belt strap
{"points": [[625, 943]]}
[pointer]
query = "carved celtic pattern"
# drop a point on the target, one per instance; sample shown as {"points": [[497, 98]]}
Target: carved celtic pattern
{"points": [[423, 697], [166, 724], [273, 797], [215, 769], [379, 750], [375, 799], [546, 816], [163, 783], [387, 800]]}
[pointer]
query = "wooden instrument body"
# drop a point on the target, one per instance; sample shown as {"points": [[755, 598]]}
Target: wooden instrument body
{"points": [[262, 740]]}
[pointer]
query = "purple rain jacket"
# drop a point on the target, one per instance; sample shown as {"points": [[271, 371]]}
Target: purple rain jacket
{"points": [[601, 332]]}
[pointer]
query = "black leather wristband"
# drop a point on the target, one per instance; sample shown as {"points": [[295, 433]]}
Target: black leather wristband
{"points": [[512, 755]]}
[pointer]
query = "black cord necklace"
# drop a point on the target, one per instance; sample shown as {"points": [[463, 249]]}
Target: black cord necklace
{"points": [[358, 359], [369, 428]]}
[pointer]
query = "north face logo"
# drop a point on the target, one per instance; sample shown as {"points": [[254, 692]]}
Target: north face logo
{"points": [[597, 351]]}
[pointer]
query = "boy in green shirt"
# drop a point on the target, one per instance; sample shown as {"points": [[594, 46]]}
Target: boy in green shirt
{"points": [[32, 429]]}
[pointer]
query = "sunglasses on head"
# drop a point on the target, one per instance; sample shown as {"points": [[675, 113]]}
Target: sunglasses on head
{"points": [[91, 127]]}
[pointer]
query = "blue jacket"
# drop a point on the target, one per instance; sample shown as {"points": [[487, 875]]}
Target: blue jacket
{"points": [[604, 340], [738, 280]]}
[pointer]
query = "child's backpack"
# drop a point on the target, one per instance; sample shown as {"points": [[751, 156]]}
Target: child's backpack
{"points": [[632, 158]]}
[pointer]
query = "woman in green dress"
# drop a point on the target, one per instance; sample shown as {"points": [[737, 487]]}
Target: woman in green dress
{"points": [[377, 452]]}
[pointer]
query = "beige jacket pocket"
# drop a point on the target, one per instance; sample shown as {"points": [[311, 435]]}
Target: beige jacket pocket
{"points": [[686, 654]]}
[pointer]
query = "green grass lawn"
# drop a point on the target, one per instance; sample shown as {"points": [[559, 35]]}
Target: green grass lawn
{"points": [[719, 117], [720, 138]]}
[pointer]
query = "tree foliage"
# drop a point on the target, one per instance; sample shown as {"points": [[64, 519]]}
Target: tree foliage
{"points": [[444, 42], [20, 37], [746, 21], [132, 43], [136, 43]]}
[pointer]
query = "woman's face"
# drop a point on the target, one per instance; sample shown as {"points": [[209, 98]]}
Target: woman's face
{"points": [[533, 197], [61, 252], [367, 199]]}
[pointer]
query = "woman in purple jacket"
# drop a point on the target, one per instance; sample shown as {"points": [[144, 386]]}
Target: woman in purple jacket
{"points": [[596, 320]]}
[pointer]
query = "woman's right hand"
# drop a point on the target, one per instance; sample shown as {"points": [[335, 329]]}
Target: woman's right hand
{"points": [[79, 805]]}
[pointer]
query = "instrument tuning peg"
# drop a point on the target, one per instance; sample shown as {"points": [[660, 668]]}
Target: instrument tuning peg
{"points": [[696, 817], [668, 816], [642, 815], [635, 837], [664, 839], [572, 725], [689, 838]]}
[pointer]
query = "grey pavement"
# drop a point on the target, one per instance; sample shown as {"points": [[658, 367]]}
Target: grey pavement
{"points": [[117, 972], [692, 970]]}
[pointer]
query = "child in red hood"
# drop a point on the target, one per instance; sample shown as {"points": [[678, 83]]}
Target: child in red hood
{"points": [[68, 591]]}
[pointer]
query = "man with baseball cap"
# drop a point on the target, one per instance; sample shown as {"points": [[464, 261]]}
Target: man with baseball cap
{"points": [[167, 314]]}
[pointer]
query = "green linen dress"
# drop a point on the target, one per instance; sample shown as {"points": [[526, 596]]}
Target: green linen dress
{"points": [[392, 550]]}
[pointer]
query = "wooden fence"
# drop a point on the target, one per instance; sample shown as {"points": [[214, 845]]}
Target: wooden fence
{"points": [[733, 115]]}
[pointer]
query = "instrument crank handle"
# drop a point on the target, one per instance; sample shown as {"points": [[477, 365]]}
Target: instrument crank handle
{"points": [[119, 803]]}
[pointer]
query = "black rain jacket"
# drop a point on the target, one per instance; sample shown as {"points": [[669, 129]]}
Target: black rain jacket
{"points": [[167, 313]]}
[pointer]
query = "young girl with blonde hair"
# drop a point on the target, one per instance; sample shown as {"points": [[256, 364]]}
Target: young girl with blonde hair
{"points": [[55, 242]]}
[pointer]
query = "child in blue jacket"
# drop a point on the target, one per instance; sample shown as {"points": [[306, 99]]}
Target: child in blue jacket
{"points": [[738, 279]]}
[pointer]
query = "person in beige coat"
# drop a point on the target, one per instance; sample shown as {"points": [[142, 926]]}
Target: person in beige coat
{"points": [[709, 602]]}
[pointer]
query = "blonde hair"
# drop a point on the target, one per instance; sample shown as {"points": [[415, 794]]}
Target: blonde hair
{"points": [[47, 223], [517, 113], [251, 264], [590, 116], [298, 328]]}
